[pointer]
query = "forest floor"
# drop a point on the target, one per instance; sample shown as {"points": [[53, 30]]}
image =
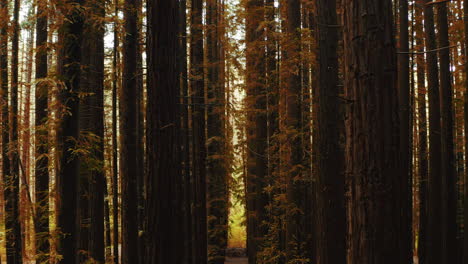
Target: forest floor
{"points": [[236, 261]]}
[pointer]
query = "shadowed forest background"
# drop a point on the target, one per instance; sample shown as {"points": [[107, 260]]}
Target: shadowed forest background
{"points": [[233, 131]]}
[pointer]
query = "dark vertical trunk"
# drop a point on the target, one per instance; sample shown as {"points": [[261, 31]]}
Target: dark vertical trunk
{"points": [[217, 171], [405, 189], [257, 132], [448, 174], [4, 91], [115, 155], [140, 132], [199, 153], [12, 222], [290, 127], [185, 130], [92, 178], [69, 60], [465, 116], [164, 180], [434, 181], [128, 112], [372, 133], [423, 140], [330, 124]]}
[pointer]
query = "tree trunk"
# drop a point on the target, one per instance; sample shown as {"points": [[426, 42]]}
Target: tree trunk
{"points": [[448, 174], [405, 188], [69, 60], [217, 171], [199, 154], [42, 138], [465, 215], [372, 133], [128, 127], [330, 125], [423, 140], [115, 155], [164, 181], [434, 181], [12, 222], [92, 135], [257, 133]]}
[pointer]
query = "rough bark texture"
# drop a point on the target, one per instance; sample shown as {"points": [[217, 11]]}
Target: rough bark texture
{"points": [[448, 174], [217, 170], [372, 132], [434, 181], [199, 151], [69, 60], [330, 124], [128, 112], [164, 179], [42, 135]]}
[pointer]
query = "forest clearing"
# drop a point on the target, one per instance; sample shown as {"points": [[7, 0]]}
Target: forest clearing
{"points": [[233, 131]]}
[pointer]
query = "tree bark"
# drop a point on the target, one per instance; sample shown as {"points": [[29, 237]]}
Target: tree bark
{"points": [[69, 60], [448, 174], [330, 125], [12, 184], [423, 164], [405, 189], [164, 181], [42, 137], [434, 181], [372, 133], [92, 178], [199, 151], [128, 126]]}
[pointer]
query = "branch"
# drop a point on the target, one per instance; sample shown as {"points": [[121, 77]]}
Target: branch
{"points": [[428, 51]]}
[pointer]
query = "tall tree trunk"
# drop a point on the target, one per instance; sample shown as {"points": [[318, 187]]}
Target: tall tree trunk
{"points": [[217, 171], [434, 181], [405, 197], [423, 140], [330, 124], [185, 130], [140, 155], [290, 127], [69, 60], [4, 94], [12, 222], [92, 135], [128, 126], [164, 181], [115, 155], [257, 133], [42, 137], [465, 116], [372, 133], [199, 153], [448, 174]]}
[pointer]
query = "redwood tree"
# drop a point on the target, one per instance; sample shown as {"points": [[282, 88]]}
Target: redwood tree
{"points": [[42, 161], [163, 179], [372, 133], [129, 130], [330, 126]]}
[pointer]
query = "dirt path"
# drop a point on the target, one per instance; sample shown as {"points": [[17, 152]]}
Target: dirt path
{"points": [[236, 261]]}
